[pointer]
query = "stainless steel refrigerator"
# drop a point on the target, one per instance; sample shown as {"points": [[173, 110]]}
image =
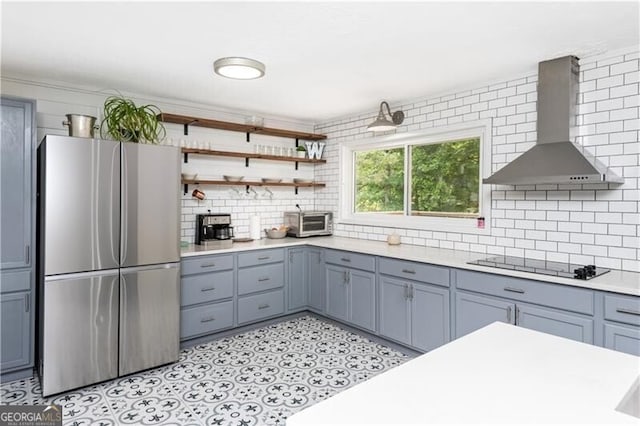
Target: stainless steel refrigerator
{"points": [[108, 239]]}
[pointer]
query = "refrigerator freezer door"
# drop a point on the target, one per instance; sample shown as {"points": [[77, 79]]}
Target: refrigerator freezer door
{"points": [[81, 204], [80, 330], [149, 316], [150, 205]]}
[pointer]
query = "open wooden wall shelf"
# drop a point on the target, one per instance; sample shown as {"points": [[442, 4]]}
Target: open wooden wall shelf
{"points": [[246, 156], [247, 184], [187, 121]]}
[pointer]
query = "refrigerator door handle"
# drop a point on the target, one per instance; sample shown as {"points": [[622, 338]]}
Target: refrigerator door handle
{"points": [[150, 267], [114, 224], [124, 193], [79, 275]]}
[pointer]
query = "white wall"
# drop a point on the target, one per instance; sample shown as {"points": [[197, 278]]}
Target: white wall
{"points": [[578, 223], [54, 100]]}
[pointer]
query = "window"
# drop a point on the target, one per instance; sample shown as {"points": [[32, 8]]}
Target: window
{"points": [[423, 181]]}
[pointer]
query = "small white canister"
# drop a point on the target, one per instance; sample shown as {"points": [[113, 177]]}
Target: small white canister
{"points": [[255, 228], [393, 239]]}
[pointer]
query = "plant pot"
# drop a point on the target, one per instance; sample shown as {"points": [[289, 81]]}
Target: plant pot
{"points": [[302, 154]]}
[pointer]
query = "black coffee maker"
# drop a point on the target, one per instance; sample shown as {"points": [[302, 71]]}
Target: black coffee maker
{"points": [[213, 227]]}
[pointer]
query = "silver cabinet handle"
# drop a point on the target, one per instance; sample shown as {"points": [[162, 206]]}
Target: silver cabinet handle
{"points": [[27, 254], [406, 290], [344, 277], [514, 290], [264, 306], [517, 316], [264, 258], [208, 265], [348, 277], [345, 259], [27, 303], [627, 311], [408, 271], [207, 319], [207, 289], [263, 279], [412, 292], [509, 314]]}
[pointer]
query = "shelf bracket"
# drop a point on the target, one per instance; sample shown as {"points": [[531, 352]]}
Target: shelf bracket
{"points": [[246, 162], [248, 137], [296, 190], [296, 165], [186, 188], [247, 189], [186, 127], [296, 142], [186, 157]]}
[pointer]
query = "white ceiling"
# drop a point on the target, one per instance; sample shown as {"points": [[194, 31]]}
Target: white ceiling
{"points": [[324, 60]]}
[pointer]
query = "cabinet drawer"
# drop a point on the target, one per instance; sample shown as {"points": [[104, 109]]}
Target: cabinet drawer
{"points": [[415, 271], [205, 319], [351, 260], [259, 306], [260, 278], [15, 281], [203, 288], [622, 308], [199, 265], [557, 296], [260, 257]]}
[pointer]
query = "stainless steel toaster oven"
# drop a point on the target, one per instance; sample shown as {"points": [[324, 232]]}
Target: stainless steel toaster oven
{"points": [[307, 224]]}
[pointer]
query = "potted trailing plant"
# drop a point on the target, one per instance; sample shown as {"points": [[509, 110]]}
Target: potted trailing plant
{"points": [[126, 122], [302, 151]]}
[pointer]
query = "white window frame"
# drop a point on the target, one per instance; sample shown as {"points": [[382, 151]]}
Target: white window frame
{"points": [[477, 129]]}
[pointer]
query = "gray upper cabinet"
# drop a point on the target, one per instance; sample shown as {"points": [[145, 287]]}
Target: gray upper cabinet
{"points": [[297, 289], [16, 180], [17, 228], [316, 279]]}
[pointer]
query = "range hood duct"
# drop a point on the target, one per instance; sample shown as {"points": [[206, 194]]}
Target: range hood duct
{"points": [[555, 158]]}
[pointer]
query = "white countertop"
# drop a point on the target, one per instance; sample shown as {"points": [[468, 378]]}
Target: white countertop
{"points": [[499, 374], [616, 281]]}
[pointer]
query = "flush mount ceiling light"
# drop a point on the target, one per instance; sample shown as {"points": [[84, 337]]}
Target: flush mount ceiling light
{"points": [[239, 68], [382, 123]]}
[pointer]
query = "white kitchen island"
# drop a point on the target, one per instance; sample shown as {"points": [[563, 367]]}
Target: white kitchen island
{"points": [[501, 374]]}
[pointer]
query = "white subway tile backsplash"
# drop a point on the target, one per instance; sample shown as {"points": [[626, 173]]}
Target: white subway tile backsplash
{"points": [[571, 222]]}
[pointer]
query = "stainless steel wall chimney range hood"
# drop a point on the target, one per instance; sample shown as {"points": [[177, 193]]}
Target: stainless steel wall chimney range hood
{"points": [[555, 158]]}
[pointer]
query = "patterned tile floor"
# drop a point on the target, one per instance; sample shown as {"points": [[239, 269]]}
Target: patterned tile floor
{"points": [[259, 377]]}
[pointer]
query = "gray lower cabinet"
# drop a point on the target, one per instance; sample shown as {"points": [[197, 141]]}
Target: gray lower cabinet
{"points": [[563, 324], [623, 338], [351, 296], [315, 279], [475, 311], [15, 321], [413, 313], [297, 280], [206, 295], [621, 323], [261, 282]]}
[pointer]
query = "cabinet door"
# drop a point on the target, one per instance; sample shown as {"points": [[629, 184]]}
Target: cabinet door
{"points": [[395, 310], [622, 338], [362, 298], [315, 279], [15, 337], [430, 316], [474, 312], [16, 186], [297, 294], [557, 323], [336, 300]]}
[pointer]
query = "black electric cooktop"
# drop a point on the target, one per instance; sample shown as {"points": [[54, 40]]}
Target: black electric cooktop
{"points": [[559, 269]]}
